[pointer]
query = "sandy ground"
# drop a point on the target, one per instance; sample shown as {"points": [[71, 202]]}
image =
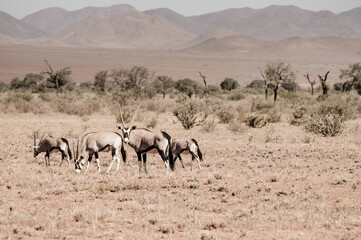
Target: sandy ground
{"points": [[17, 61], [277, 182]]}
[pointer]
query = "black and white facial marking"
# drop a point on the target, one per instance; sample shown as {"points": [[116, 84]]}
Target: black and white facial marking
{"points": [[126, 132]]}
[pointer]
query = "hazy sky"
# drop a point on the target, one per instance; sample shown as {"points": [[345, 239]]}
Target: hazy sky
{"points": [[21, 8]]}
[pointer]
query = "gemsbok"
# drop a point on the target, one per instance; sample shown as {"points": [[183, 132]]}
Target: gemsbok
{"points": [[187, 146], [95, 142], [144, 141], [50, 145]]}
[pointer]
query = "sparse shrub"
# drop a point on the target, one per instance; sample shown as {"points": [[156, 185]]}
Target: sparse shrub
{"points": [[209, 125], [298, 115], [46, 97], [259, 120], [262, 112], [152, 122], [258, 105], [16, 97], [236, 96], [326, 125], [189, 115], [121, 97], [256, 120], [81, 108], [236, 126], [225, 115]]}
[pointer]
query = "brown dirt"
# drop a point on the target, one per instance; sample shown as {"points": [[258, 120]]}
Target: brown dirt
{"points": [[272, 183]]}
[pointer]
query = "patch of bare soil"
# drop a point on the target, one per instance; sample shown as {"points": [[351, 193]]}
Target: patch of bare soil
{"points": [[272, 183]]}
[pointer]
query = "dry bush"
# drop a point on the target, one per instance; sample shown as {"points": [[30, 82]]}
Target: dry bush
{"points": [[225, 115], [236, 95], [189, 114], [237, 126], [259, 119], [328, 125], [209, 125], [18, 97], [80, 108], [152, 123], [298, 115]]}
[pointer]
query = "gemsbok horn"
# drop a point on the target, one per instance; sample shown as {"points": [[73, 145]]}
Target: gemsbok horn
{"points": [[144, 141], [50, 145], [95, 142], [187, 146]]}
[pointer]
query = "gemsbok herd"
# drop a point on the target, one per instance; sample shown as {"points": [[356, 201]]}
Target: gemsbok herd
{"points": [[142, 140]]}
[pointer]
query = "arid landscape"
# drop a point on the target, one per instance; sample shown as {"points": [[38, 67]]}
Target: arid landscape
{"points": [[268, 171]]}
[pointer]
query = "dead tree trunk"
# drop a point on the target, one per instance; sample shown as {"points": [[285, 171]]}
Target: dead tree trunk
{"points": [[323, 83], [312, 83], [204, 82], [55, 76], [265, 83]]}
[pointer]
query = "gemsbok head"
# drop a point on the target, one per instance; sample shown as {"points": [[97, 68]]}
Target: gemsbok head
{"points": [[144, 141], [50, 145], [93, 143], [187, 146]]}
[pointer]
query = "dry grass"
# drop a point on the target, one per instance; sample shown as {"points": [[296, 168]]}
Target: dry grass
{"points": [[269, 183]]}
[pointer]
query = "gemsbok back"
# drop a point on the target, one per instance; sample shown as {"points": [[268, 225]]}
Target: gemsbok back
{"points": [[144, 141], [187, 146], [50, 145], [93, 143]]}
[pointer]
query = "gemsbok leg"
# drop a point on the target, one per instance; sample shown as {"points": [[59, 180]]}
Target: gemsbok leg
{"points": [[97, 160], [145, 163], [180, 159]]}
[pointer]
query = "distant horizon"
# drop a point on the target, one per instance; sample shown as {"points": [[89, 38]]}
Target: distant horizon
{"points": [[187, 8]]}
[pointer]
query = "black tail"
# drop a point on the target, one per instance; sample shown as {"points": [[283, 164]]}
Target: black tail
{"points": [[200, 155], [124, 153], [69, 151], [170, 154]]}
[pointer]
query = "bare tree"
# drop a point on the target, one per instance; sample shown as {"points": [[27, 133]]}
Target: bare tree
{"points": [[58, 78], [312, 82], [277, 73], [119, 77], [323, 80]]}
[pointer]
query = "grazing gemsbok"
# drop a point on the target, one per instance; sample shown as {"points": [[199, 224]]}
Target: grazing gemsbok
{"points": [[95, 142], [187, 146], [144, 141], [50, 145]]}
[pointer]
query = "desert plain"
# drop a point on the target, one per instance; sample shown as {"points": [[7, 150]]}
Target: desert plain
{"points": [[275, 182]]}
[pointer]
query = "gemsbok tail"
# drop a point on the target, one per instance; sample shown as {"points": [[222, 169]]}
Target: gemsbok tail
{"points": [[69, 151], [169, 149], [200, 155]]}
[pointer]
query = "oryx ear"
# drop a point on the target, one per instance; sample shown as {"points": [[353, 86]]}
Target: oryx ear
{"points": [[134, 127]]}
